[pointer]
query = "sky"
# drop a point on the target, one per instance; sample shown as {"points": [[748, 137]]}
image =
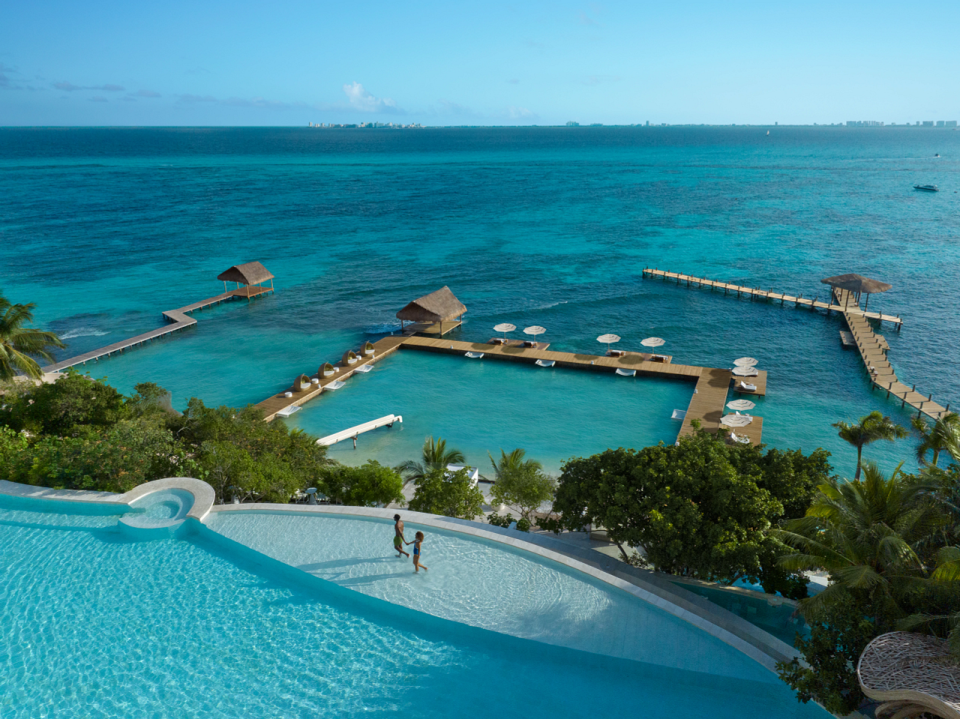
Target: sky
{"points": [[192, 62]]}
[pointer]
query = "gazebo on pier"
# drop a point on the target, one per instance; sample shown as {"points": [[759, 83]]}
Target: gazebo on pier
{"points": [[433, 314], [251, 275]]}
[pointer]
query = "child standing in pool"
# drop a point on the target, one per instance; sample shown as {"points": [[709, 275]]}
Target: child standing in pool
{"points": [[418, 540], [398, 538]]}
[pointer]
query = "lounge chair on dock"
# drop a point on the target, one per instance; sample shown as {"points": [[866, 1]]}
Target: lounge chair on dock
{"points": [[746, 386]]}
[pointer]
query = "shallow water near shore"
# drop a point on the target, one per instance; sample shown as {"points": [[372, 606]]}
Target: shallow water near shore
{"points": [[103, 229]]}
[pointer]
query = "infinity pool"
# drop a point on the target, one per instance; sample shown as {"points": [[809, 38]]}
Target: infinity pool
{"points": [[93, 624], [484, 405]]}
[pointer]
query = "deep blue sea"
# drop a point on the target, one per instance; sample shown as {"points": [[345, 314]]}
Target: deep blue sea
{"points": [[104, 228]]}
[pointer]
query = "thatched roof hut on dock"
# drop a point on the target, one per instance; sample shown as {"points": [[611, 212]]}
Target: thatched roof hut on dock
{"points": [[249, 274], [431, 311]]}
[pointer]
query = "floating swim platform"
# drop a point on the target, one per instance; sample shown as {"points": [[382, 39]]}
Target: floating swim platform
{"points": [[679, 414], [546, 363], [365, 368], [626, 372], [287, 411], [474, 355]]}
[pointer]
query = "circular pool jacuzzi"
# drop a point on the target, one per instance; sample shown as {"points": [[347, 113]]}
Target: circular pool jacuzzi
{"points": [[158, 513]]}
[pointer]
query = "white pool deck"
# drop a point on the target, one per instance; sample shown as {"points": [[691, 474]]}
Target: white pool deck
{"points": [[654, 589]]}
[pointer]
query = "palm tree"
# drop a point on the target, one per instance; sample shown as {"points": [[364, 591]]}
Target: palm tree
{"points": [[865, 533], [943, 435], [18, 342], [512, 462], [869, 429], [435, 457]]}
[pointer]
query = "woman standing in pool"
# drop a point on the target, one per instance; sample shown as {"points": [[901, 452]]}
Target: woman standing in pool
{"points": [[418, 540], [398, 538]]}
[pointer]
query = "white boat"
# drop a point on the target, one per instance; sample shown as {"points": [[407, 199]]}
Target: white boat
{"points": [[546, 363]]}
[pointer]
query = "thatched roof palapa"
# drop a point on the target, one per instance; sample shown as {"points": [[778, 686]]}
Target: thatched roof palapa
{"points": [[249, 273], [439, 306], [857, 283]]}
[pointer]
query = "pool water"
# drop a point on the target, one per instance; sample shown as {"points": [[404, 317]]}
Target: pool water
{"points": [[95, 625], [165, 504], [481, 406]]}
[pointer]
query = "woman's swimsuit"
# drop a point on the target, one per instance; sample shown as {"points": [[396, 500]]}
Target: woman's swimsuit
{"points": [[397, 542]]}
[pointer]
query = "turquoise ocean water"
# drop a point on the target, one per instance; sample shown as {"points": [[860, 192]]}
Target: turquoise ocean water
{"points": [[105, 228]]}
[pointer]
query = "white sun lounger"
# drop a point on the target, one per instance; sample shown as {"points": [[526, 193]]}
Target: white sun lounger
{"points": [[335, 385], [747, 386], [626, 372], [546, 363], [679, 414], [474, 355], [287, 411], [365, 368], [739, 440]]}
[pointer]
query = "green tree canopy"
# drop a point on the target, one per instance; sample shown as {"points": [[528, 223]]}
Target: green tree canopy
{"points": [[942, 436], [451, 494], [19, 344], [368, 485], [521, 482], [434, 457], [60, 408], [868, 429], [700, 508]]}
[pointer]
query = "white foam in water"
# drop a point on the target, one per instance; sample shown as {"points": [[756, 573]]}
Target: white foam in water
{"points": [[83, 332]]}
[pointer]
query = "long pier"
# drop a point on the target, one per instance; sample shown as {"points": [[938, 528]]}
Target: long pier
{"points": [[797, 301], [873, 351], [711, 385], [179, 318]]}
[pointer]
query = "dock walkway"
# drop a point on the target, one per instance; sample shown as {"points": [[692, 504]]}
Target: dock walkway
{"points": [[179, 318], [771, 295], [706, 405], [873, 351]]}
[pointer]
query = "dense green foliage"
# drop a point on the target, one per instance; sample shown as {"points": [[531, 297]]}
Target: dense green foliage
{"points": [[699, 509], [19, 344], [78, 433], [505, 520], [369, 485], [451, 494], [521, 483], [878, 538]]}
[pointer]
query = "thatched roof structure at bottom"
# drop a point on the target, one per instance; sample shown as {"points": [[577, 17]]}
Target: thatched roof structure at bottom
{"points": [[439, 306], [912, 674], [249, 273]]}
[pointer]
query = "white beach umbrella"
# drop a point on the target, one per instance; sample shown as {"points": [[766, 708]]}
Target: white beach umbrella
{"points": [[535, 330], [746, 371], [504, 327], [736, 420], [746, 362], [608, 340], [653, 342], [741, 404]]}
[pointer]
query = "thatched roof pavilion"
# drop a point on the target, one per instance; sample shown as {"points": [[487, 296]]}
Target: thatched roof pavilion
{"points": [[912, 675], [248, 274], [857, 284], [437, 307]]}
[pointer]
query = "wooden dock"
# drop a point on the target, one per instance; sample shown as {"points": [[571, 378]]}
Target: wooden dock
{"points": [[755, 292], [706, 405], [178, 318], [873, 351]]}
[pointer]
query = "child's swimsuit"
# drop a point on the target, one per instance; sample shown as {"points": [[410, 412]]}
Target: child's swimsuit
{"points": [[416, 550]]}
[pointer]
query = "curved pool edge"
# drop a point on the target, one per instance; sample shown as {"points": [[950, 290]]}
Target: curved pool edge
{"points": [[719, 623], [645, 585]]}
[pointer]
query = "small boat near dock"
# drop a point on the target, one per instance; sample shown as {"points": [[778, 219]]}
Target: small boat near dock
{"points": [[926, 188]]}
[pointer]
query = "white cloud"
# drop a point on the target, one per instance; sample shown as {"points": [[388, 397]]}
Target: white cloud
{"points": [[521, 113], [363, 100]]}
